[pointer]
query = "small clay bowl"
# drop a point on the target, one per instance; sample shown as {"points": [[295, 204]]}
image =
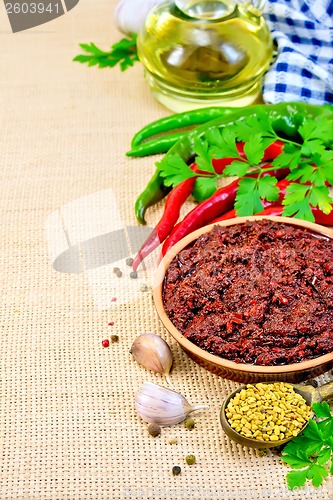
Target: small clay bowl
{"points": [[240, 372], [308, 392]]}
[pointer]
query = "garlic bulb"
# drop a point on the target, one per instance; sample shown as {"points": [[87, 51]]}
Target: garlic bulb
{"points": [[152, 352], [130, 15], [162, 406]]}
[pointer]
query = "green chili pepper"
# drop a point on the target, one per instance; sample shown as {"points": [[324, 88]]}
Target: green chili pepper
{"points": [[153, 193], [157, 145], [284, 117], [179, 120]]}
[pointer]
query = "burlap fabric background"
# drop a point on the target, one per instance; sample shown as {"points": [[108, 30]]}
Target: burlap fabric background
{"points": [[68, 425]]}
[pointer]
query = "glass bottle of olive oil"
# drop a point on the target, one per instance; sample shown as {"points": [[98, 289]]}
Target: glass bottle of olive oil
{"points": [[199, 53]]}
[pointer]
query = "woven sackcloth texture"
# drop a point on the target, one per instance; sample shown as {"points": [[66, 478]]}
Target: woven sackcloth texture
{"points": [[68, 427]]}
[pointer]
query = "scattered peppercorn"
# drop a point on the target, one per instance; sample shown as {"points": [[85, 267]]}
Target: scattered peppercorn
{"points": [[116, 269], [190, 459], [114, 338], [176, 470], [262, 452], [129, 261], [119, 273], [133, 275], [189, 423], [154, 430], [172, 440], [105, 343]]}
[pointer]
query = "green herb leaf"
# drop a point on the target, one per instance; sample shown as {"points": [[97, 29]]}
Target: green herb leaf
{"points": [[258, 123], [312, 431], [267, 188], [317, 474], [254, 149], [296, 479], [326, 428], [204, 158], [224, 142], [174, 170], [300, 210], [324, 456], [204, 188], [313, 129], [297, 460], [320, 197], [311, 450], [295, 193], [236, 169], [123, 53], [291, 157], [248, 198]]}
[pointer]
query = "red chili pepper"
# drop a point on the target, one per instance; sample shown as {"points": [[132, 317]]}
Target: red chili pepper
{"points": [[282, 185], [320, 217], [174, 202], [206, 211]]}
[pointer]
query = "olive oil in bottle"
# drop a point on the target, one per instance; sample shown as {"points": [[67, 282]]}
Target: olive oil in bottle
{"points": [[205, 52]]}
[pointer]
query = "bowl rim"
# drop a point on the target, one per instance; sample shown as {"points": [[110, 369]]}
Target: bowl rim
{"points": [[209, 358]]}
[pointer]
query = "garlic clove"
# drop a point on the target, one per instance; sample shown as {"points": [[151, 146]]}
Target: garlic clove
{"points": [[130, 15], [152, 352], [162, 406]]}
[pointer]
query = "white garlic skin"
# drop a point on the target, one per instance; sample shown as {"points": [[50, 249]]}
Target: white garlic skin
{"points": [[130, 15], [162, 406], [152, 352]]}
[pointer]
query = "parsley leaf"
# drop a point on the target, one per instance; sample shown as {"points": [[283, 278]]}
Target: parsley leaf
{"points": [[317, 473], [313, 129], [254, 149], [204, 188], [248, 197], [322, 410], [174, 170], [267, 188], [296, 479], [123, 53], [310, 452], [223, 142], [236, 169], [320, 197], [204, 158]]}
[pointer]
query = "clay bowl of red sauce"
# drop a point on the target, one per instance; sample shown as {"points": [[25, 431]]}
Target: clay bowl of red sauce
{"points": [[267, 320]]}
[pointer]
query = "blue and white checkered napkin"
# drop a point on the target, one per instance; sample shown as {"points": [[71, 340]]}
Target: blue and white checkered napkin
{"points": [[303, 69]]}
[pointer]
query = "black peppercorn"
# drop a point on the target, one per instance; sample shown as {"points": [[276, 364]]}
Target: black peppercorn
{"points": [[154, 430], [176, 470], [189, 423], [129, 261]]}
